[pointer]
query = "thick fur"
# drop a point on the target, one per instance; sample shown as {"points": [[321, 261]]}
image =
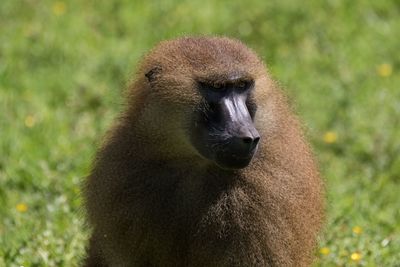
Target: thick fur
{"points": [[152, 200]]}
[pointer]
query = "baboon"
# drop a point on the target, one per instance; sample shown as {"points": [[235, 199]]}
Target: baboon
{"points": [[206, 166]]}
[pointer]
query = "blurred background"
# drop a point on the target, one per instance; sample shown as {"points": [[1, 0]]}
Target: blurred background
{"points": [[64, 64]]}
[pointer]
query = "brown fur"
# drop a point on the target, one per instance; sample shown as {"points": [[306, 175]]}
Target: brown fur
{"points": [[154, 201]]}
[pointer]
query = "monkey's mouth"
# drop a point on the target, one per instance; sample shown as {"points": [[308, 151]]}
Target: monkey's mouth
{"points": [[228, 160]]}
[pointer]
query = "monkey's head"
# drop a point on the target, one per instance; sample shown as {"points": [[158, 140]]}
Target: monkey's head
{"points": [[204, 91]]}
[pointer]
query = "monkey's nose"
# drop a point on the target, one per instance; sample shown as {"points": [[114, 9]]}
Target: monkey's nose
{"points": [[244, 144], [250, 140]]}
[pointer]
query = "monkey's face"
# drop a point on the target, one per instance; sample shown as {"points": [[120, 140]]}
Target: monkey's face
{"points": [[223, 130], [202, 88]]}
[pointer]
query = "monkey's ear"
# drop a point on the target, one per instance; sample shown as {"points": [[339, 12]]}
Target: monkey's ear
{"points": [[152, 74]]}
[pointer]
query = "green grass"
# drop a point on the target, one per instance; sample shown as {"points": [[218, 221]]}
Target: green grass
{"points": [[63, 66]]}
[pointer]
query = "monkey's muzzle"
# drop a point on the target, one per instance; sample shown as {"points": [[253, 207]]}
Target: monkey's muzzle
{"points": [[242, 139]]}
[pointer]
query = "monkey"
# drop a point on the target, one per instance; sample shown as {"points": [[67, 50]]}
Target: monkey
{"points": [[207, 165]]}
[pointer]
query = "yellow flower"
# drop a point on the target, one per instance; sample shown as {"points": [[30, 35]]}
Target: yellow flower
{"points": [[30, 121], [330, 137], [59, 8], [356, 256], [384, 70], [357, 230], [325, 251], [21, 207]]}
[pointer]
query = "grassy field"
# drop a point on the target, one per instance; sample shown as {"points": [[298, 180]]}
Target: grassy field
{"points": [[63, 66]]}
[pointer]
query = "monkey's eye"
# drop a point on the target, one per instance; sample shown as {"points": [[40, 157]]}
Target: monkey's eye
{"points": [[242, 85], [214, 88], [217, 86]]}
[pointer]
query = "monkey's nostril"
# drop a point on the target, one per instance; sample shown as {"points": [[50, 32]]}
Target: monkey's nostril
{"points": [[251, 141], [247, 140]]}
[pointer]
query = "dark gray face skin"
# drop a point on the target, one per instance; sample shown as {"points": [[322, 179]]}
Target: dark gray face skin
{"points": [[223, 130]]}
